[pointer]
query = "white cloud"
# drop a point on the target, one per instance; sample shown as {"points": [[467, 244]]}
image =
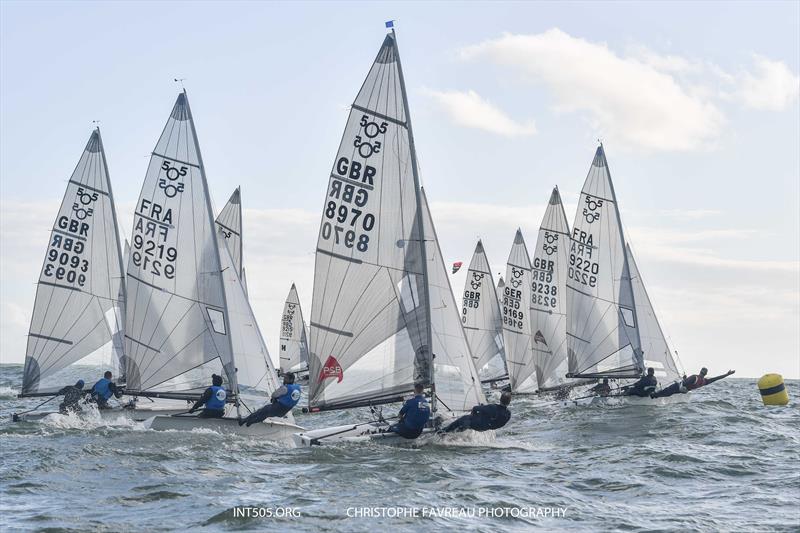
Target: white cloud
{"points": [[773, 87], [637, 102], [468, 109]]}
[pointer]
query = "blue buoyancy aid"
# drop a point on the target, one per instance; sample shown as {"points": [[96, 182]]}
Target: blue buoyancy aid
{"points": [[217, 400], [291, 397], [416, 412], [102, 389]]}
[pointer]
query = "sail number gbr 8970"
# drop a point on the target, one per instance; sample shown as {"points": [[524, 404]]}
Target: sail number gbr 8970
{"points": [[347, 218]]}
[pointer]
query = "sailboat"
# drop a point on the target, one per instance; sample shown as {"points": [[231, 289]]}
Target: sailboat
{"points": [[80, 293], [604, 323], [187, 315], [483, 320], [516, 319], [383, 316], [548, 300], [294, 341]]}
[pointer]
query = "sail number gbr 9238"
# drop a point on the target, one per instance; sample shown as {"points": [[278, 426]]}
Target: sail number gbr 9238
{"points": [[348, 221]]}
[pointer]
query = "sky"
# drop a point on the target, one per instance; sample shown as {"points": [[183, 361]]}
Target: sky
{"points": [[696, 104]]}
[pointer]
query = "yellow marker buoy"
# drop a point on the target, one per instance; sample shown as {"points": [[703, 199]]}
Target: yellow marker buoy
{"points": [[772, 389]]}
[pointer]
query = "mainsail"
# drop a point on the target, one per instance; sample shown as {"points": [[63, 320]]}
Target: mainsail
{"points": [[458, 387], [516, 319], [548, 296], [370, 321], [482, 317], [294, 343], [655, 349], [81, 289], [229, 224], [602, 330], [177, 325]]}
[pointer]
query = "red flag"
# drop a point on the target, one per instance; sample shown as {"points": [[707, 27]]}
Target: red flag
{"points": [[332, 369], [457, 266]]}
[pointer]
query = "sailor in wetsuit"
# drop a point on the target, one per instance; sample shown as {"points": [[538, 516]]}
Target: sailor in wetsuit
{"points": [[213, 398], [602, 389], [104, 389], [644, 387], [414, 414], [695, 381], [281, 402], [484, 417], [73, 394]]}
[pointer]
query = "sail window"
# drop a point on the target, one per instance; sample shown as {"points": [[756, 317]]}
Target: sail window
{"points": [[628, 317], [217, 319], [409, 296]]}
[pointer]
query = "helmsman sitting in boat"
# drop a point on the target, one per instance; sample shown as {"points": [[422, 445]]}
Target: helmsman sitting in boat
{"points": [[695, 381], [414, 415], [644, 387], [73, 394], [602, 388], [104, 389], [213, 398], [282, 400], [484, 417]]}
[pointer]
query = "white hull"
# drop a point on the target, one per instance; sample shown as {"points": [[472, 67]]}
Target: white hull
{"points": [[354, 433], [626, 400], [137, 415], [270, 429]]}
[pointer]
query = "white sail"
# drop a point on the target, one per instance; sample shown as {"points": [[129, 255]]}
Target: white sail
{"points": [[253, 364], [458, 387], [516, 318], [602, 332], [655, 349], [548, 296], [294, 343], [482, 317], [370, 333], [177, 327], [229, 224], [81, 284]]}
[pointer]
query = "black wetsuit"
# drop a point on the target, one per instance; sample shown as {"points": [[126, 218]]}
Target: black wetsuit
{"points": [[72, 397], [644, 387], [601, 389], [482, 418]]}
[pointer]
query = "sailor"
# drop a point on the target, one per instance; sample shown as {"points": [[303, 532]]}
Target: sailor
{"points": [[73, 394], [213, 398], [484, 417], [281, 402], [104, 389], [601, 389], [695, 381], [414, 414], [644, 387]]}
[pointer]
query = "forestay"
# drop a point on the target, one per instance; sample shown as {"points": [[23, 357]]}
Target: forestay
{"points": [[458, 387], [603, 337], [655, 349], [81, 289], [548, 296], [177, 327], [482, 317], [294, 343], [516, 319], [369, 317]]}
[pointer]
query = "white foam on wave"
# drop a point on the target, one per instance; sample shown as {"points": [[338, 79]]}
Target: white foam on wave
{"points": [[8, 392], [89, 418]]}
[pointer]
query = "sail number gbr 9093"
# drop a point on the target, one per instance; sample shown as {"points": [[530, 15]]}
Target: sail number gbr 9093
{"points": [[347, 218]]}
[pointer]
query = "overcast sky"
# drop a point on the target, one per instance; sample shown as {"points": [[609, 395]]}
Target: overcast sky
{"points": [[696, 103]]}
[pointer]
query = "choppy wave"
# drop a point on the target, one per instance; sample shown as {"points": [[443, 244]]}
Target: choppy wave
{"points": [[722, 462]]}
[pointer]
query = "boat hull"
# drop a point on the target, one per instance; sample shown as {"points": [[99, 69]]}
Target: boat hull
{"points": [[137, 415], [626, 400], [270, 429]]}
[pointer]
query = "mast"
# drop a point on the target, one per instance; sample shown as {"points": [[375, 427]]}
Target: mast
{"points": [[626, 268], [212, 224], [123, 288], [423, 251]]}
